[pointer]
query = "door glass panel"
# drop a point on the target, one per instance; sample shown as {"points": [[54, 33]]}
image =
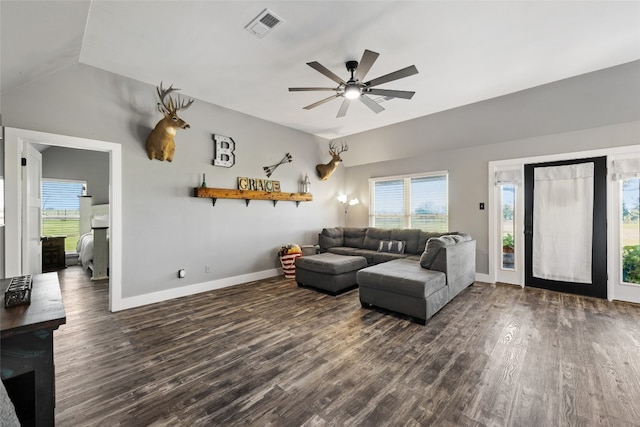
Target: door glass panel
{"points": [[508, 196], [630, 226]]}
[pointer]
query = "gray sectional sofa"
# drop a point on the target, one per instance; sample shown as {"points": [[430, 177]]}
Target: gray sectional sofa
{"points": [[403, 273], [365, 242]]}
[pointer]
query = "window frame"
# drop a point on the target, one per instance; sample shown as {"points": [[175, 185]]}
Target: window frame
{"points": [[406, 215]]}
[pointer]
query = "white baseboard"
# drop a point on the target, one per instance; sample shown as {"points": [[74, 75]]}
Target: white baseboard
{"points": [[485, 278], [152, 298]]}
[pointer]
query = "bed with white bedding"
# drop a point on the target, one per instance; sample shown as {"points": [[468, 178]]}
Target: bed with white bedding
{"points": [[93, 245]]}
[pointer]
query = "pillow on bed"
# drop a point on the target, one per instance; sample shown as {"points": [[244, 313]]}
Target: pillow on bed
{"points": [[392, 246]]}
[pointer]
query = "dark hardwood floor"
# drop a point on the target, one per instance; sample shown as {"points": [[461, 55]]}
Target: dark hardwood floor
{"points": [[270, 353]]}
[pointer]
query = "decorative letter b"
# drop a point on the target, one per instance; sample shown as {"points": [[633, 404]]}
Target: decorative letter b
{"points": [[224, 151]]}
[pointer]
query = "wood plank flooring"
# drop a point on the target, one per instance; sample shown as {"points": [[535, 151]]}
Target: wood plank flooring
{"points": [[268, 353]]}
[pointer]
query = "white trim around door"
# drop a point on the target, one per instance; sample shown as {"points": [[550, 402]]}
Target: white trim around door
{"points": [[14, 140], [615, 290]]}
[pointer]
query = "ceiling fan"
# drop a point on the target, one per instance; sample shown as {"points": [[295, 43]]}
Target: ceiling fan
{"points": [[355, 88]]}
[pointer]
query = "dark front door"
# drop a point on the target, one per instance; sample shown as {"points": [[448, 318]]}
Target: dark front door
{"points": [[566, 226]]}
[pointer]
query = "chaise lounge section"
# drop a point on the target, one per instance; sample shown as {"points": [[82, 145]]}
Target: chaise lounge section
{"points": [[405, 287], [421, 288]]}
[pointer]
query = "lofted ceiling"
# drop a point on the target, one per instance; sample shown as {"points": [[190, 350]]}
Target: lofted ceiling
{"points": [[465, 51]]}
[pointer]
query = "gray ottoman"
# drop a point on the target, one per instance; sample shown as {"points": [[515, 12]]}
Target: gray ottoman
{"points": [[330, 272], [405, 287]]}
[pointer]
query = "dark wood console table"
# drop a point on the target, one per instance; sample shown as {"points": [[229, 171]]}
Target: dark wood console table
{"points": [[26, 349]]}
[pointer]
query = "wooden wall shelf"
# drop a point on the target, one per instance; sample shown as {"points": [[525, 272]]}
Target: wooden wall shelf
{"points": [[248, 195]]}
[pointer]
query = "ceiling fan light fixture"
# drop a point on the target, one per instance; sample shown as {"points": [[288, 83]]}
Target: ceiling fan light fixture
{"points": [[352, 90], [356, 87]]}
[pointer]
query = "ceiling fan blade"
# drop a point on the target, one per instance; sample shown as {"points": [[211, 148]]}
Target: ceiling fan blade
{"points": [[302, 89], [405, 72], [315, 104], [404, 94], [344, 107], [323, 70], [368, 58], [373, 105]]}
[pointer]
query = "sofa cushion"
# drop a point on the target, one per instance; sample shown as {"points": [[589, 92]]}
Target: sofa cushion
{"points": [[433, 247], [424, 238], [366, 253], [344, 250], [379, 257], [392, 246], [374, 236], [330, 237], [354, 237], [402, 277], [410, 236]]}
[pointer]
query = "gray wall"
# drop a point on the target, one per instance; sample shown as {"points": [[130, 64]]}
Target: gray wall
{"points": [[164, 228], [81, 165]]}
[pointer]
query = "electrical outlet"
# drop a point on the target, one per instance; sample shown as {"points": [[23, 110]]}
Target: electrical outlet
{"points": [[207, 269]]}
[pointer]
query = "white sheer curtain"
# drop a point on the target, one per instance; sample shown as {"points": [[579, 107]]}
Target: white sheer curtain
{"points": [[563, 223]]}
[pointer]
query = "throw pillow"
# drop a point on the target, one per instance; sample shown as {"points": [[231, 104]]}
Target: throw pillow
{"points": [[392, 246], [433, 247]]}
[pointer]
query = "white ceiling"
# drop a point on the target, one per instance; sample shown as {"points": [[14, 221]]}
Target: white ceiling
{"points": [[465, 51]]}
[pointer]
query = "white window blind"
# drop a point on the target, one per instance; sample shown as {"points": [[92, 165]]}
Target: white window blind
{"points": [[61, 210], [418, 201]]}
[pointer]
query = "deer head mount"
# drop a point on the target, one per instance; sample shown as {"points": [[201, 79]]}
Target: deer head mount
{"points": [[325, 171], [160, 144]]}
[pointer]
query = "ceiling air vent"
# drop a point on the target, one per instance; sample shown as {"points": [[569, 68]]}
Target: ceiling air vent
{"points": [[264, 23]]}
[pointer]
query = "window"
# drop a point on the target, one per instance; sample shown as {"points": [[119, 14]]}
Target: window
{"points": [[630, 223], [416, 201], [61, 210], [507, 193]]}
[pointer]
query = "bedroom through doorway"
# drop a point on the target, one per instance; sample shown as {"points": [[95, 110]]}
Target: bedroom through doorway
{"points": [[110, 221]]}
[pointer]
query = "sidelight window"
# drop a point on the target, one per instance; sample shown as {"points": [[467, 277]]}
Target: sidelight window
{"points": [[630, 230], [508, 231]]}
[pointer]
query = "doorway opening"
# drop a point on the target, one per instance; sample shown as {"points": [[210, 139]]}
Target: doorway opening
{"points": [[15, 140]]}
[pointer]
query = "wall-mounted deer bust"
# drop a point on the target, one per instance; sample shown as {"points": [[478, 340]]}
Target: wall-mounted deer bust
{"points": [[325, 171], [160, 143]]}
